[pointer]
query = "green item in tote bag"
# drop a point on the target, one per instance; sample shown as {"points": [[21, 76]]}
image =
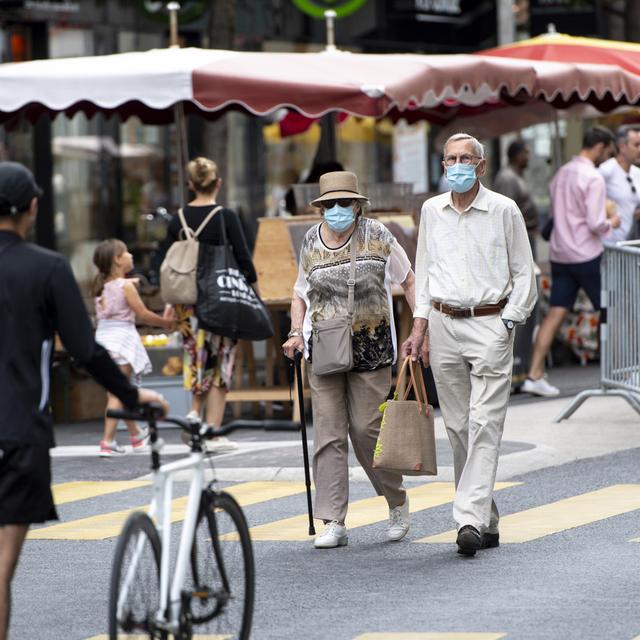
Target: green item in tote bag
{"points": [[406, 442]]}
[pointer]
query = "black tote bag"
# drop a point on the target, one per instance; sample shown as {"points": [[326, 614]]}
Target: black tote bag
{"points": [[227, 304]]}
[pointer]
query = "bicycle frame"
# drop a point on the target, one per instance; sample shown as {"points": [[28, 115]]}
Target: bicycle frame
{"points": [[167, 617], [160, 510]]}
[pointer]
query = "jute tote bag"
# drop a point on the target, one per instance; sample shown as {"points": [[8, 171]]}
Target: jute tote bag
{"points": [[407, 442]]}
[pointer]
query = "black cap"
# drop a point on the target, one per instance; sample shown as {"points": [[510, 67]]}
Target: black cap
{"points": [[17, 188]]}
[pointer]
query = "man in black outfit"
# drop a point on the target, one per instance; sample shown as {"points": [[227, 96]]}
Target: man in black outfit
{"points": [[38, 297]]}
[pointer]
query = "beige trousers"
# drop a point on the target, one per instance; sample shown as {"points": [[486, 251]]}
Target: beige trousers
{"points": [[346, 404], [471, 360]]}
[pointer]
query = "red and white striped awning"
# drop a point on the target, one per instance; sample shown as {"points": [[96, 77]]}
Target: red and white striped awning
{"points": [[440, 88]]}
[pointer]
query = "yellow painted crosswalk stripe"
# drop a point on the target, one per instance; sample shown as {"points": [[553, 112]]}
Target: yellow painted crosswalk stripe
{"points": [[108, 525], [555, 517], [74, 491], [364, 512], [454, 635], [197, 636]]}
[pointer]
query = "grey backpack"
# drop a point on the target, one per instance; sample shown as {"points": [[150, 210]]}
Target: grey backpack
{"points": [[178, 269]]}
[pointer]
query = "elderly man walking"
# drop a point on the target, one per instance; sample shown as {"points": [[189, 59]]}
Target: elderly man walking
{"points": [[474, 283]]}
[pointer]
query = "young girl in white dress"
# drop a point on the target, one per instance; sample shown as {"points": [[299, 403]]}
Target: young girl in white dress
{"points": [[118, 305]]}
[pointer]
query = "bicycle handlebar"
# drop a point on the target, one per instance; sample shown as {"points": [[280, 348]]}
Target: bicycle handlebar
{"points": [[152, 413]]}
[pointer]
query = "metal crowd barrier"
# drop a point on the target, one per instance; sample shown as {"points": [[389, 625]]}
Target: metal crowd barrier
{"points": [[619, 328]]}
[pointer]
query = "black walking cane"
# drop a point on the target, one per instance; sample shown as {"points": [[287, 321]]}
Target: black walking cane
{"points": [[305, 451]]}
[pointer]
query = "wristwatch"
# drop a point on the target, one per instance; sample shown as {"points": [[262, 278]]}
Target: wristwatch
{"points": [[510, 324], [294, 333]]}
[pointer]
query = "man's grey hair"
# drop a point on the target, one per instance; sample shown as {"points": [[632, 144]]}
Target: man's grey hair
{"points": [[479, 149], [622, 132]]}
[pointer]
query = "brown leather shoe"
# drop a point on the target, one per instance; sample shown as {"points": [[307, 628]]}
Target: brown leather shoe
{"points": [[490, 540], [468, 540]]}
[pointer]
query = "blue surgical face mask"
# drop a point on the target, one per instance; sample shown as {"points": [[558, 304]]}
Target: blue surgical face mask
{"points": [[461, 177], [339, 218]]}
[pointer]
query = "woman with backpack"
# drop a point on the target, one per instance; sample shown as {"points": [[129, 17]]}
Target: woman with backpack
{"points": [[208, 359]]}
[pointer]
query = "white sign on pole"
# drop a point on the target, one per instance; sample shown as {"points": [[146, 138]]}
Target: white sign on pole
{"points": [[410, 155]]}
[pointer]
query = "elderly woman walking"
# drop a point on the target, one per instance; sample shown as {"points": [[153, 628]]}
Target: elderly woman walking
{"points": [[345, 404]]}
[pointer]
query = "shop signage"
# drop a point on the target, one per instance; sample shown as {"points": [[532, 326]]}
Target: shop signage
{"points": [[445, 7], [410, 155], [576, 17], [44, 6], [443, 25], [316, 8], [61, 6], [190, 10]]}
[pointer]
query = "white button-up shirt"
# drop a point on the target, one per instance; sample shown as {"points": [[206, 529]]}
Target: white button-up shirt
{"points": [[624, 189], [474, 258]]}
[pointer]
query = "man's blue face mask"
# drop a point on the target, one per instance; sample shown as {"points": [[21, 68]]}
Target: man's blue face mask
{"points": [[339, 218], [461, 177]]}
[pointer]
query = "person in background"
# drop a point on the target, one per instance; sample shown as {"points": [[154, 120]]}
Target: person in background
{"points": [[38, 297], [443, 183], [118, 304], [581, 221], [622, 178], [315, 172], [510, 182], [208, 359], [474, 283], [346, 405]]}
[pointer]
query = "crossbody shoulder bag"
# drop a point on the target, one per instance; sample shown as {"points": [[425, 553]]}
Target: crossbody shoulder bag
{"points": [[332, 350]]}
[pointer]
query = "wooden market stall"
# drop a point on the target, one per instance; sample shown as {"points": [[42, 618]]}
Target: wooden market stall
{"points": [[275, 257]]}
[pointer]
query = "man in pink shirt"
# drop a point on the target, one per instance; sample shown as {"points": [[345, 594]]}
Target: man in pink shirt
{"points": [[580, 222]]}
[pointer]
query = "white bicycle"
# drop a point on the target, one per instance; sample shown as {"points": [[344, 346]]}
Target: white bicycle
{"points": [[211, 585]]}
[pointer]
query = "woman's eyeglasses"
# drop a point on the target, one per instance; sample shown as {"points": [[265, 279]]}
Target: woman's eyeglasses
{"points": [[343, 202]]}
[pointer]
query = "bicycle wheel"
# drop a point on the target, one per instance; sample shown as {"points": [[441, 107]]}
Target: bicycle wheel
{"points": [[135, 580], [222, 581]]}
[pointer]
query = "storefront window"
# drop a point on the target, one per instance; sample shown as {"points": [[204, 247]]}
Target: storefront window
{"points": [[146, 200], [82, 170], [363, 146], [109, 177], [544, 160], [84, 197]]}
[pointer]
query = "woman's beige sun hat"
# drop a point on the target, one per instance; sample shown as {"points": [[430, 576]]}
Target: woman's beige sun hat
{"points": [[336, 185]]}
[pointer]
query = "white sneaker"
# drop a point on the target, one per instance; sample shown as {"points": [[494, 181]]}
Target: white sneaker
{"points": [[398, 522], [220, 445], [334, 535], [540, 388], [139, 441], [192, 415], [110, 449]]}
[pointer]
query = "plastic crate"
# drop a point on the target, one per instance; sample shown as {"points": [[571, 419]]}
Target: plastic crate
{"points": [[304, 194], [388, 196]]}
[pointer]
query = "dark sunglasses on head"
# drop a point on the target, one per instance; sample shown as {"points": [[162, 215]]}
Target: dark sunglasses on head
{"points": [[630, 181], [343, 202]]}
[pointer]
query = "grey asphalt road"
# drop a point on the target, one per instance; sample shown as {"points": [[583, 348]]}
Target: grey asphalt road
{"points": [[579, 583]]}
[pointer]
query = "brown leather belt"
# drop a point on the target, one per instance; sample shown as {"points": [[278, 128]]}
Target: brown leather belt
{"points": [[469, 312]]}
